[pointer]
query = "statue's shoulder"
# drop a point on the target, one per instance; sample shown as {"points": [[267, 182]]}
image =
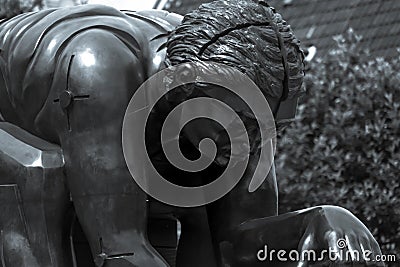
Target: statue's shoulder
{"points": [[45, 19], [33, 26]]}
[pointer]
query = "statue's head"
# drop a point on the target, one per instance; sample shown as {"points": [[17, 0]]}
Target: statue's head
{"points": [[251, 37]]}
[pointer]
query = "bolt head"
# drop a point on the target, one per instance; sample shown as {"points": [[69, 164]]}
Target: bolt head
{"points": [[66, 99]]}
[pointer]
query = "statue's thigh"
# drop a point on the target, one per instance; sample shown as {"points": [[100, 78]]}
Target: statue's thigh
{"points": [[96, 76], [90, 94]]}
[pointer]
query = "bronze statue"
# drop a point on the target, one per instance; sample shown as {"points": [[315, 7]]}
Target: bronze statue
{"points": [[67, 77]]}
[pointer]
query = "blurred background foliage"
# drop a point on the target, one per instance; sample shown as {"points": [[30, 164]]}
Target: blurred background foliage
{"points": [[344, 148], [10, 8]]}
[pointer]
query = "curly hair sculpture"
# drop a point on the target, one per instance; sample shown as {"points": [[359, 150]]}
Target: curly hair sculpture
{"points": [[248, 35]]}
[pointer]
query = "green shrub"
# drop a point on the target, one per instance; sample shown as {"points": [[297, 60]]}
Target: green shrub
{"points": [[344, 149]]}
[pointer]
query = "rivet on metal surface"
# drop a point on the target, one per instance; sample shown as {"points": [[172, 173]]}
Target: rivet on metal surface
{"points": [[66, 98]]}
